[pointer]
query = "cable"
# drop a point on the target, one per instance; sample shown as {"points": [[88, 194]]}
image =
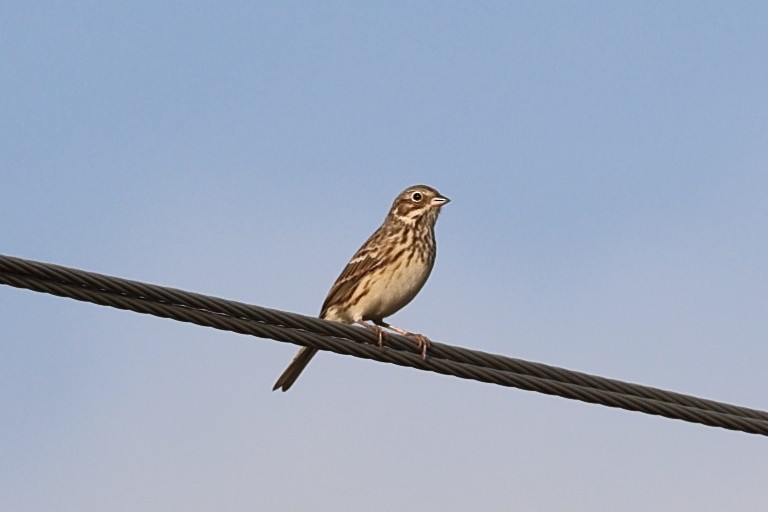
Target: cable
{"points": [[349, 340]]}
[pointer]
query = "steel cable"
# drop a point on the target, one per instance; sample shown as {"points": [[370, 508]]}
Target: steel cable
{"points": [[349, 340]]}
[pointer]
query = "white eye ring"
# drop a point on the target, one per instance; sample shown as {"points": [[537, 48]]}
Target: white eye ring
{"points": [[416, 197]]}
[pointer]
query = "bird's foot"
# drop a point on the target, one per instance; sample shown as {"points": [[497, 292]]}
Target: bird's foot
{"points": [[422, 341], [381, 334]]}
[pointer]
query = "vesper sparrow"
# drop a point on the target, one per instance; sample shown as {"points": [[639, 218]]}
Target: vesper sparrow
{"points": [[384, 275]]}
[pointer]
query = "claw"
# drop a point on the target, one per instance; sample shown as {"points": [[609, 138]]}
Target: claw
{"points": [[381, 334], [422, 341]]}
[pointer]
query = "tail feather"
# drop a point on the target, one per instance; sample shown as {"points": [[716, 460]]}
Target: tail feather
{"points": [[292, 372]]}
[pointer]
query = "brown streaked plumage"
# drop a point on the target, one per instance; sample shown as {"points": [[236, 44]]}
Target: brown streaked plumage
{"points": [[384, 275]]}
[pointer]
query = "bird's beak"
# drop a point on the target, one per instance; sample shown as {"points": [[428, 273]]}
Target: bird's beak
{"points": [[440, 201]]}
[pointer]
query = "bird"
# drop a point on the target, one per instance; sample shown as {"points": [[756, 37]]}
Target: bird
{"points": [[384, 275]]}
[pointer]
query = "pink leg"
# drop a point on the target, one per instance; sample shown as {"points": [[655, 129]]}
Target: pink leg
{"points": [[422, 340], [381, 334]]}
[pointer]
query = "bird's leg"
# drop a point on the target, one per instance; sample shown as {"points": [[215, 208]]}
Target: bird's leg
{"points": [[381, 334], [422, 340]]}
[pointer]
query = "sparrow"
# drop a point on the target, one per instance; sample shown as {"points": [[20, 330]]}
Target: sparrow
{"points": [[384, 275]]}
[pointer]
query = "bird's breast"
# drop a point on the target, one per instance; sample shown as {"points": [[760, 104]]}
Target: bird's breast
{"points": [[394, 287]]}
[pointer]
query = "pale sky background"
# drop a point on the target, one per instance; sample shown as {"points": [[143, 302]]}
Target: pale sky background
{"points": [[607, 166]]}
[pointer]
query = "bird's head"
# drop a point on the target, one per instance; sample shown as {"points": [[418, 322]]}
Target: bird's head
{"points": [[417, 204]]}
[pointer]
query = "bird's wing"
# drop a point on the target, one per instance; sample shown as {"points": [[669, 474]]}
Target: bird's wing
{"points": [[366, 260]]}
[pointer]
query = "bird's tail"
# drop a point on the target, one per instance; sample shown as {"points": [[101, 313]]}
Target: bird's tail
{"points": [[292, 372]]}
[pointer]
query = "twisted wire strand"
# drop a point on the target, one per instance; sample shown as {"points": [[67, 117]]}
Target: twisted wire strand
{"points": [[124, 287], [348, 340]]}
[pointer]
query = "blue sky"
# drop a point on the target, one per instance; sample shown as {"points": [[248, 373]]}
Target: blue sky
{"points": [[607, 166]]}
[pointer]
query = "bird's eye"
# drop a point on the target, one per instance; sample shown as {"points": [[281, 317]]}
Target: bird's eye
{"points": [[417, 197]]}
